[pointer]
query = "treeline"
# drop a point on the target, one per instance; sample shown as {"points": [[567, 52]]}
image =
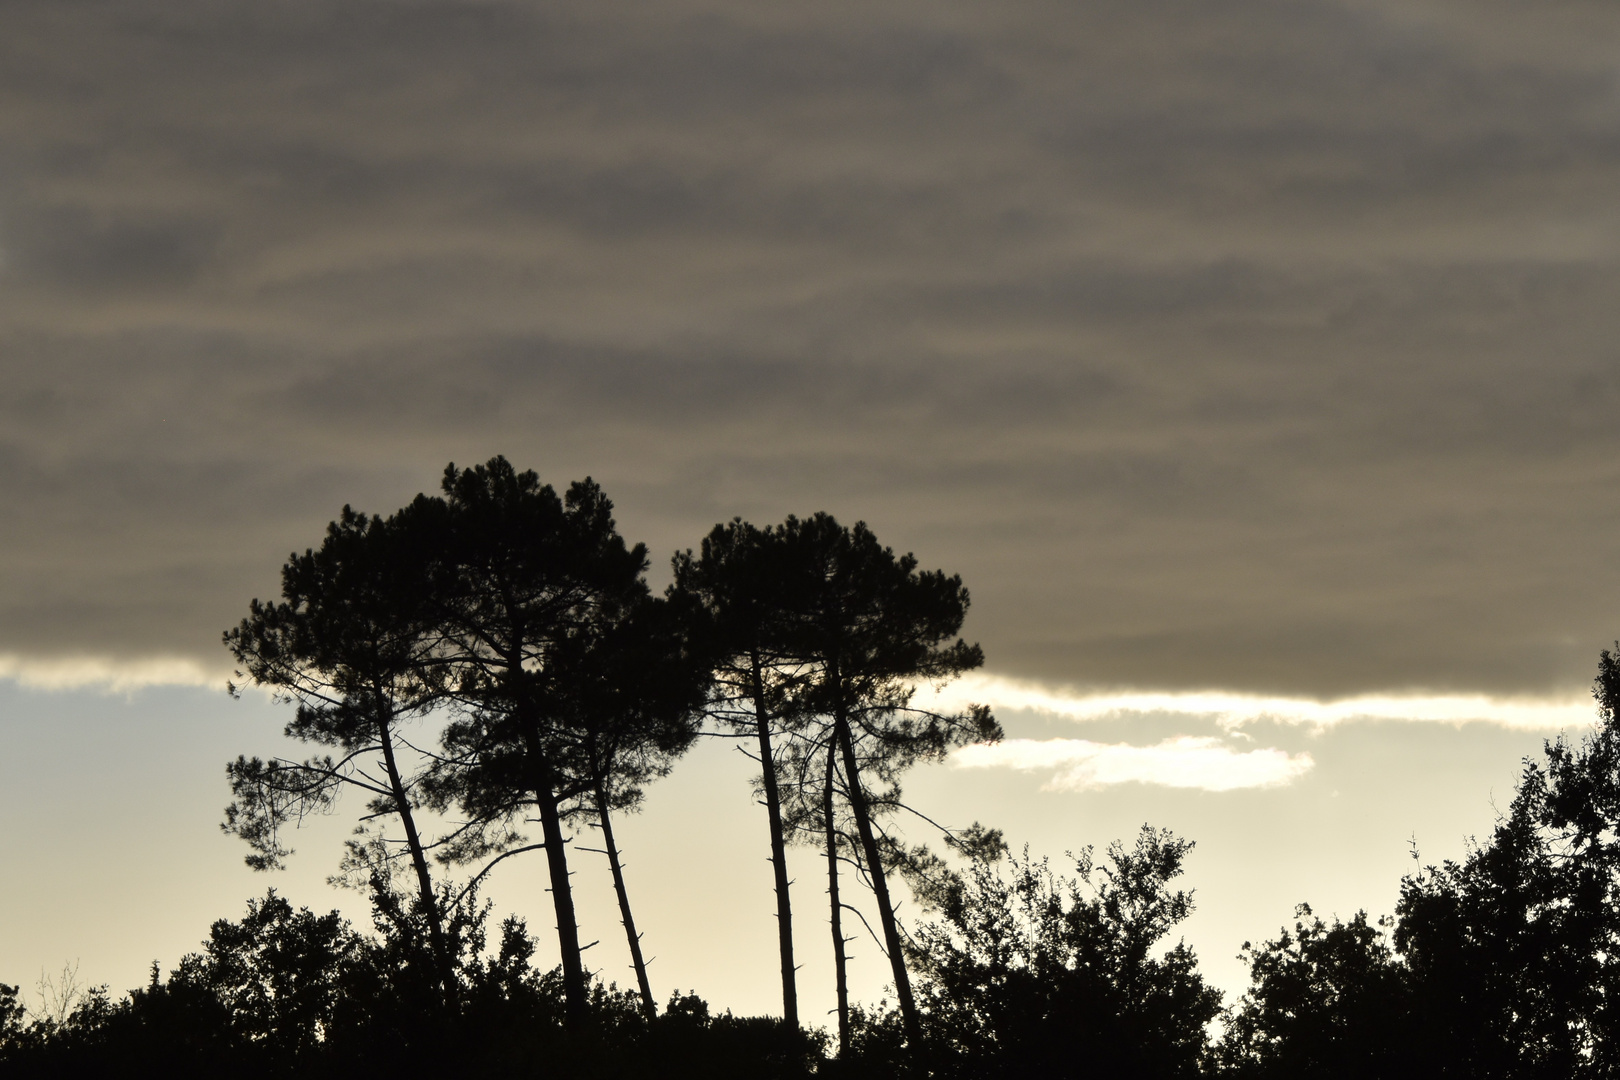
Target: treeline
{"points": [[491, 660]]}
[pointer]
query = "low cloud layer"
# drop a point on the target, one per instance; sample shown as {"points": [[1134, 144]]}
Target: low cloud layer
{"points": [[107, 675], [1234, 711], [1260, 346], [1185, 761]]}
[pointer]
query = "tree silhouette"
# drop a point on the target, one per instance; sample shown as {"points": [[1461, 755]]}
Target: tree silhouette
{"points": [[874, 627], [352, 645], [817, 813], [285, 977], [1028, 973], [640, 707], [1512, 952], [532, 588], [1326, 1001], [817, 820], [741, 579], [1506, 963], [287, 993], [11, 1014]]}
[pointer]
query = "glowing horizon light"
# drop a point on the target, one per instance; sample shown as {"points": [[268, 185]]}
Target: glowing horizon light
{"points": [[1231, 710], [1185, 761], [106, 675]]}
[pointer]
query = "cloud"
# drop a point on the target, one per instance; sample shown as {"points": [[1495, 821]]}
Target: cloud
{"points": [[1182, 762], [105, 674], [1236, 710], [1264, 345]]}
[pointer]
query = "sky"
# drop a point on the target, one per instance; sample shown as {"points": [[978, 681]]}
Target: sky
{"points": [[1252, 362]]}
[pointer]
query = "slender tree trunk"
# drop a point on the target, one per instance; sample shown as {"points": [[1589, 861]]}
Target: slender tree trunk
{"points": [[880, 885], [840, 974], [629, 921], [773, 810], [424, 880], [562, 893]]}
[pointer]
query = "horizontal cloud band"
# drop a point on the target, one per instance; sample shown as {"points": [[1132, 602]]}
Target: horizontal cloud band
{"points": [[1228, 709], [1234, 710], [108, 674], [1183, 762]]}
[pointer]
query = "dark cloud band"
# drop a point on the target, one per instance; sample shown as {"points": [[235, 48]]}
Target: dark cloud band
{"points": [[1259, 345]]}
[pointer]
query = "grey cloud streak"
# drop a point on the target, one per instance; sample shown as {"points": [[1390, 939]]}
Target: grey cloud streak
{"points": [[1268, 346]]}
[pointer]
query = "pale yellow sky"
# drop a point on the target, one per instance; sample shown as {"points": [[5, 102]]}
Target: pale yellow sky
{"points": [[116, 859]]}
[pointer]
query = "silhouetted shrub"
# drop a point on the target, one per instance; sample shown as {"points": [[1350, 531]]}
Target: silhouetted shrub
{"points": [[1031, 973], [1326, 1001], [1503, 966], [286, 992]]}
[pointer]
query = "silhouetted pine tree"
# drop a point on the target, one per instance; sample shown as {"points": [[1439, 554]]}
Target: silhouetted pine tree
{"points": [[640, 704], [352, 645], [874, 627], [741, 579], [534, 589]]}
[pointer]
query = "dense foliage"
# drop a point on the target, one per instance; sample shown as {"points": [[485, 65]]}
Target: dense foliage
{"points": [[1027, 971], [286, 992], [1503, 965]]}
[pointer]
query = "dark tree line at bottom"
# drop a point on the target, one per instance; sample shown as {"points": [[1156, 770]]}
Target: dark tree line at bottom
{"points": [[1505, 964]]}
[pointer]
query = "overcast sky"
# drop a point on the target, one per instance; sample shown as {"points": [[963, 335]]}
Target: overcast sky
{"points": [[1256, 349]]}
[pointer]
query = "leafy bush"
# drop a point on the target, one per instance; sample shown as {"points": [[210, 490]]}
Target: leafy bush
{"points": [[1031, 973]]}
